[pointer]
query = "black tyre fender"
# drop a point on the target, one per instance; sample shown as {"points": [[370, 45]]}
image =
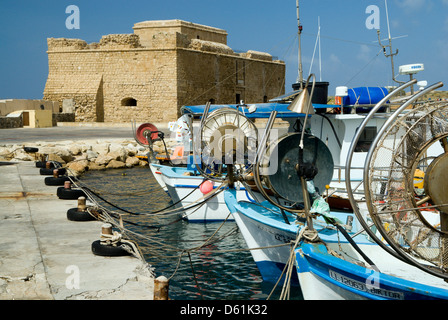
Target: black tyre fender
{"points": [[59, 181], [70, 194], [108, 250], [49, 172], [43, 164], [74, 215]]}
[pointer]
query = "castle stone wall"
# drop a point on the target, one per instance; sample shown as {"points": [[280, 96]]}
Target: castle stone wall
{"points": [[149, 75]]}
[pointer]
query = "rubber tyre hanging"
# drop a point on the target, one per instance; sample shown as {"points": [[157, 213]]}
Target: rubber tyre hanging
{"points": [[74, 215], [43, 164], [59, 181], [108, 250], [49, 172], [69, 194]]}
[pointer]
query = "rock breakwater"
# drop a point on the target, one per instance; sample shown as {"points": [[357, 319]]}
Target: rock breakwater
{"points": [[80, 156]]}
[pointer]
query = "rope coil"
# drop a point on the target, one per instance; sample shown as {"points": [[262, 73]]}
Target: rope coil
{"points": [[111, 239]]}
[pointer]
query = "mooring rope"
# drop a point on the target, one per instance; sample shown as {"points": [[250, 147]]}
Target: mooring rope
{"points": [[164, 211], [155, 245], [303, 234]]}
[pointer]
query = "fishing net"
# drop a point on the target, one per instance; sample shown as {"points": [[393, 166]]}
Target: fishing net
{"points": [[405, 185]]}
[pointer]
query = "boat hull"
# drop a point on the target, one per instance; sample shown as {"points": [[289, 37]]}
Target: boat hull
{"points": [[274, 242], [185, 192], [155, 169], [322, 276], [325, 277]]}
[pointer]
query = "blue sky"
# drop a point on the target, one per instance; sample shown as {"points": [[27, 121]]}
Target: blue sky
{"points": [[351, 55]]}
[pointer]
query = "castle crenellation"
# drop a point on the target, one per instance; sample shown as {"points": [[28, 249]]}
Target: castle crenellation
{"points": [[150, 74]]}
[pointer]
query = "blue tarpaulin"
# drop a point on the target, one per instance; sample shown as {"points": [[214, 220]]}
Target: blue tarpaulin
{"points": [[263, 110]]}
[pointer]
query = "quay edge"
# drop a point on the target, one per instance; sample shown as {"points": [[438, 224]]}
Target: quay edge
{"points": [[44, 256]]}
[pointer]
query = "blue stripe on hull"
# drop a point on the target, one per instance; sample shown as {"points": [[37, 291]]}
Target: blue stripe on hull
{"points": [[361, 281]]}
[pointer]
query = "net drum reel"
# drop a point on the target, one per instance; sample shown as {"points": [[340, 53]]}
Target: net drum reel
{"points": [[284, 165], [412, 220], [226, 138], [414, 223], [146, 134], [278, 169]]}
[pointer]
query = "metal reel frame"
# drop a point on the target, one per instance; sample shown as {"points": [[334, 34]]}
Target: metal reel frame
{"points": [[393, 248], [204, 147], [397, 214]]}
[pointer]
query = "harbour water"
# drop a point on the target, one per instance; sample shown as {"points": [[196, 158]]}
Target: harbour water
{"points": [[223, 269]]}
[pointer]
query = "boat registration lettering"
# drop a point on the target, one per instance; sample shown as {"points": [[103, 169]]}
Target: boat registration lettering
{"points": [[277, 236], [369, 288]]}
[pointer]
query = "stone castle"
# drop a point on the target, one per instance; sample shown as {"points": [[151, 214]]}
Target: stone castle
{"points": [[150, 74]]}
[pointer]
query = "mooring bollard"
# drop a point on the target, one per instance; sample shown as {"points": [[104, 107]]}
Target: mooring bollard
{"points": [[66, 192], [161, 288], [109, 244], [106, 228], [80, 213]]}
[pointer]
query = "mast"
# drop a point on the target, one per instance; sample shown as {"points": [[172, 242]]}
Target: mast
{"points": [[300, 76]]}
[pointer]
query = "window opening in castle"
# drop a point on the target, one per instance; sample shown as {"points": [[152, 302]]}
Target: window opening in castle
{"points": [[240, 72], [129, 102]]}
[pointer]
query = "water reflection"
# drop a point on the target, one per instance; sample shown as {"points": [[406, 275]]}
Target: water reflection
{"points": [[209, 273]]}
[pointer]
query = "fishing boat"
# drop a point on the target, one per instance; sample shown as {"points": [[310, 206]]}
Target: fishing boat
{"points": [[262, 224], [181, 175], [389, 242], [391, 245], [201, 199], [287, 240]]}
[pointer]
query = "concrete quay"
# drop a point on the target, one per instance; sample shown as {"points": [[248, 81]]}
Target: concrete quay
{"points": [[72, 131], [45, 256]]}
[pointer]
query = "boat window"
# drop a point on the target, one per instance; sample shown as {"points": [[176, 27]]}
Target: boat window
{"points": [[366, 139]]}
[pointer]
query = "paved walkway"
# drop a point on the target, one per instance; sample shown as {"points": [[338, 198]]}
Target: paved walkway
{"points": [[46, 256], [70, 132]]}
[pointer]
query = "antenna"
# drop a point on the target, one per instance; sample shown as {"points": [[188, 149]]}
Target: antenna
{"points": [[314, 52], [391, 53], [320, 53], [387, 18], [300, 76]]}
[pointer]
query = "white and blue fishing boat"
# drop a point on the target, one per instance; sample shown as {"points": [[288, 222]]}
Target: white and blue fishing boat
{"points": [[391, 241], [186, 187], [391, 245], [183, 179], [201, 199]]}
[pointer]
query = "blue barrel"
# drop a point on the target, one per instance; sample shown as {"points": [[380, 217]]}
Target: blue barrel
{"points": [[365, 95]]}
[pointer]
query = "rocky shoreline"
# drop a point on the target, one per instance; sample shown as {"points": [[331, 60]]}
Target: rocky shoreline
{"points": [[81, 156]]}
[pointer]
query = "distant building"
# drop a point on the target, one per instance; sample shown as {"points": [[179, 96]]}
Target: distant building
{"points": [[150, 74]]}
